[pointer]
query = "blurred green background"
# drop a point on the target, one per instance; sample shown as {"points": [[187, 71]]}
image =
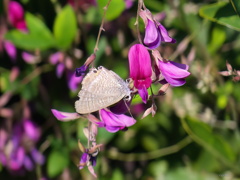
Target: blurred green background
{"points": [[195, 133]]}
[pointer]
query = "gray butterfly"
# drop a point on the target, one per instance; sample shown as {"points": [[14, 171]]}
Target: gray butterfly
{"points": [[101, 88]]}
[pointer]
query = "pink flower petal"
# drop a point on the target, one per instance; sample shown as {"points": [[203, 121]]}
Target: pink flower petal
{"points": [[65, 116], [29, 58], [16, 15], [114, 122], [10, 49], [73, 81], [60, 70], [152, 38], [21, 25], [28, 164], [83, 160], [164, 34], [174, 73], [15, 11], [55, 58], [31, 130], [171, 70], [175, 82], [143, 94], [129, 3], [140, 65], [17, 159], [37, 157]]}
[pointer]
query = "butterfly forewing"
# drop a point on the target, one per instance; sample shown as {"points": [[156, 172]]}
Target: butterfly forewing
{"points": [[100, 88]]}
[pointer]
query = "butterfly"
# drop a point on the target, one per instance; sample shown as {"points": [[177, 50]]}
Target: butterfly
{"points": [[101, 88]]}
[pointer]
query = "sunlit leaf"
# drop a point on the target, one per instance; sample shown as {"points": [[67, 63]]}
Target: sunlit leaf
{"points": [[222, 13], [65, 27], [218, 37], [115, 8]]}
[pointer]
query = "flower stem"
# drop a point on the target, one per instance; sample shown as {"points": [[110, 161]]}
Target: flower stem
{"points": [[140, 4], [101, 27], [112, 154]]}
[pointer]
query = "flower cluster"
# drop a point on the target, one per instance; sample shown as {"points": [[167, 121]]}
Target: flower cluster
{"points": [[18, 137], [17, 148], [143, 73], [140, 65]]}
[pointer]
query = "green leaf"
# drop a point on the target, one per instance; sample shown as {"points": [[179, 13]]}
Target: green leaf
{"points": [[236, 6], [38, 37], [65, 27], [155, 5], [202, 134], [222, 13], [218, 37], [57, 162], [115, 8]]}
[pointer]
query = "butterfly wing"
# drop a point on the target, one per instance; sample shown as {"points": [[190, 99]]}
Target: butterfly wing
{"points": [[100, 88]]}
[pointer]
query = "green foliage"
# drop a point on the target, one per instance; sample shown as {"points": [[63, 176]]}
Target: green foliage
{"points": [[236, 6], [222, 13], [114, 10], [38, 37], [202, 134], [65, 27], [57, 161], [218, 37]]}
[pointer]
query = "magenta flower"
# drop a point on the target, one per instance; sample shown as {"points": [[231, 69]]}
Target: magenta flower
{"points": [[57, 59], [65, 116], [19, 153], [83, 160], [73, 80], [31, 130], [30, 58], [16, 15], [10, 49], [155, 33], [173, 73], [140, 69], [60, 69], [17, 158], [129, 3], [114, 122]]}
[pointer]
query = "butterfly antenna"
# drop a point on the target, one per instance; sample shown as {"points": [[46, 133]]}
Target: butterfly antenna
{"points": [[128, 108]]}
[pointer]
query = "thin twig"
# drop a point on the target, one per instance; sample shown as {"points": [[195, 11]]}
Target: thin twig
{"points": [[149, 155], [140, 4], [35, 73], [101, 27]]}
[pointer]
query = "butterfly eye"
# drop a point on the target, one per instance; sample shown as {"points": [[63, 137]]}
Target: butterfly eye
{"points": [[100, 67], [95, 71], [127, 98], [128, 80]]}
